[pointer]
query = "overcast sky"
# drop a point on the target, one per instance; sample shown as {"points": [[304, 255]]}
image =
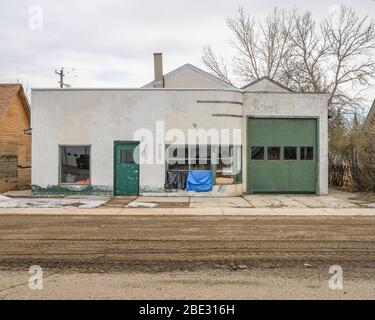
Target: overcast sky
{"points": [[110, 43]]}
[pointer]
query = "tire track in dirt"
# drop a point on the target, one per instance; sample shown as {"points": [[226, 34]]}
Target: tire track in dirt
{"points": [[150, 242]]}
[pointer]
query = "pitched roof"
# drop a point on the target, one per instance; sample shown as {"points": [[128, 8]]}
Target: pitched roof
{"points": [[197, 70], [266, 78], [7, 93]]}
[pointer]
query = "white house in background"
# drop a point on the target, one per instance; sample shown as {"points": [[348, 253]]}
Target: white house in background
{"points": [[262, 138]]}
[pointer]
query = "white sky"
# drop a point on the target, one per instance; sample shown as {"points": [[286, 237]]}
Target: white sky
{"points": [[110, 42]]}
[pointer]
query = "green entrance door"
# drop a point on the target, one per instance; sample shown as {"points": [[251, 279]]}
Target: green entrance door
{"points": [[282, 155], [126, 172]]}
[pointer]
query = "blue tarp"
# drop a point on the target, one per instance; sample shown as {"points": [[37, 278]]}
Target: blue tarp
{"points": [[199, 180]]}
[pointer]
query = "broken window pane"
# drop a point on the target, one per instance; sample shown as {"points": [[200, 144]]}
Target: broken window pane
{"points": [[225, 161], [273, 153], [75, 165], [290, 153], [177, 152], [257, 153], [307, 153], [177, 158]]}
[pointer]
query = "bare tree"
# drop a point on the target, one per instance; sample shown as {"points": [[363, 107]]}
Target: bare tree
{"points": [[217, 66], [335, 57], [304, 69], [351, 47], [274, 39], [262, 47]]}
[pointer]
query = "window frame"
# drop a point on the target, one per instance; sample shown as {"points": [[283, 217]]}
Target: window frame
{"points": [[125, 153], [264, 153], [305, 148], [214, 150], [60, 167], [280, 153], [283, 153]]}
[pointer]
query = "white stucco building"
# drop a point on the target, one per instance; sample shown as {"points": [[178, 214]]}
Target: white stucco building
{"points": [[261, 138]]}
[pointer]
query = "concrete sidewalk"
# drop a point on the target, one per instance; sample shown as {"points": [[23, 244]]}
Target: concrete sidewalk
{"points": [[191, 211], [336, 203], [335, 200]]}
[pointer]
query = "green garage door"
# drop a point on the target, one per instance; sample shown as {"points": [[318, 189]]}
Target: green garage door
{"points": [[282, 155]]}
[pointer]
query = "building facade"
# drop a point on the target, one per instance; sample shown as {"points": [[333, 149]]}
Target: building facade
{"points": [[15, 141], [261, 138]]}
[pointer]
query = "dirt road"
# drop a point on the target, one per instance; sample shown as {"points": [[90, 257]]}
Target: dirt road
{"points": [[153, 242], [173, 248]]}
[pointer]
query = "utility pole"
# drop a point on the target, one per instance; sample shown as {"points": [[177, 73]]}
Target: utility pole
{"points": [[62, 75]]}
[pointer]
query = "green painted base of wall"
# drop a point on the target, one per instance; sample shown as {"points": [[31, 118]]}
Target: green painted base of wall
{"points": [[59, 190]]}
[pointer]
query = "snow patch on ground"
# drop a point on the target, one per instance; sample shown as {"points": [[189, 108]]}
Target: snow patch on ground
{"points": [[137, 204], [6, 202], [89, 203]]}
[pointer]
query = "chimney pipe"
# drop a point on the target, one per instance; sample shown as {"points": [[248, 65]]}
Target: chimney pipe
{"points": [[158, 70]]}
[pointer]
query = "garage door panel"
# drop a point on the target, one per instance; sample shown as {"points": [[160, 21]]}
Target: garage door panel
{"points": [[275, 177], [283, 131], [261, 174], [283, 175]]}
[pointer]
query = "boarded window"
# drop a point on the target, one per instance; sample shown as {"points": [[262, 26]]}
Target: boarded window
{"points": [[8, 167]]}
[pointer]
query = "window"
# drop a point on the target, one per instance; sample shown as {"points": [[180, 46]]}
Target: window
{"points": [[200, 157], [184, 158], [273, 153], [257, 153], [178, 152], [224, 168], [126, 156], [177, 158], [290, 153], [75, 165], [224, 161], [307, 153], [8, 167]]}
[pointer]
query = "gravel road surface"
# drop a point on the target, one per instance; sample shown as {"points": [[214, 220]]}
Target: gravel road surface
{"points": [[184, 257]]}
